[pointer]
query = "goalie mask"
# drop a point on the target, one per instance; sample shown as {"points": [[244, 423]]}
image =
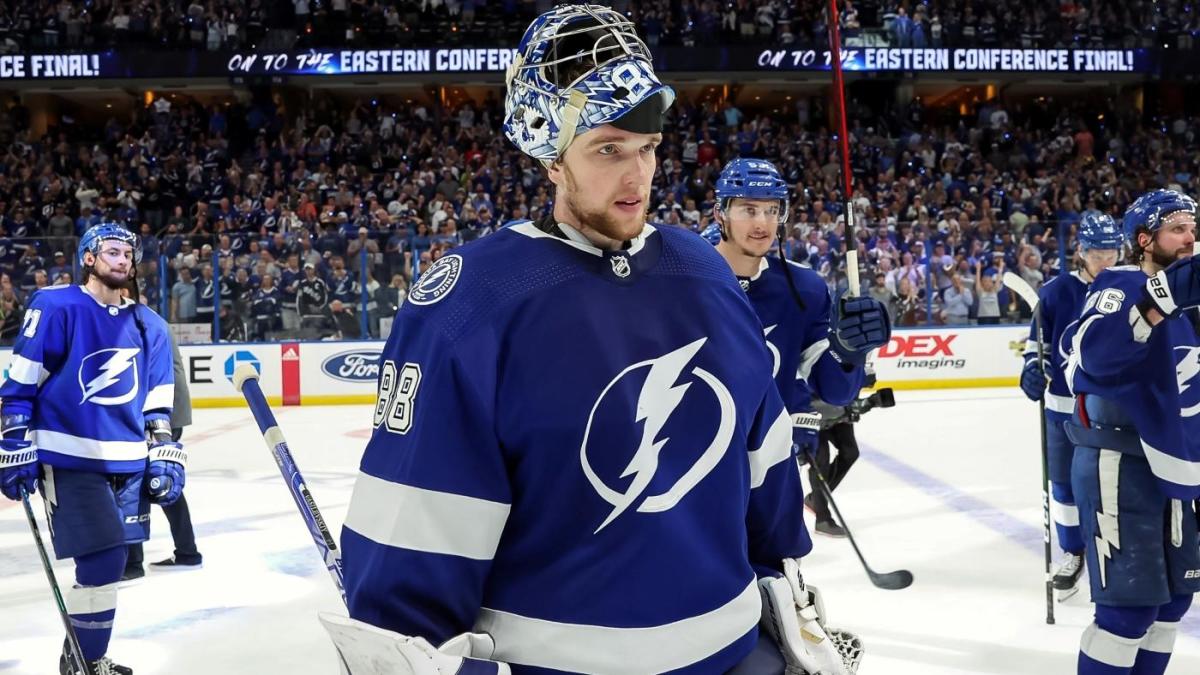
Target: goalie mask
{"points": [[579, 67]]}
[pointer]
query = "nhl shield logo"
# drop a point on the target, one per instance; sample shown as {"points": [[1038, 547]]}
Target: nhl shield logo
{"points": [[620, 265]]}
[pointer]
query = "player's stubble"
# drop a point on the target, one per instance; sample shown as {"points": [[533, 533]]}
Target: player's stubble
{"points": [[600, 219], [107, 275]]}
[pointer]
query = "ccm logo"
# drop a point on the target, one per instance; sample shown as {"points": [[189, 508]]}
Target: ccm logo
{"points": [[918, 345]]}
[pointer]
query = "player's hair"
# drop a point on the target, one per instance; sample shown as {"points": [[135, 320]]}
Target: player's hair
{"points": [[1136, 251]]}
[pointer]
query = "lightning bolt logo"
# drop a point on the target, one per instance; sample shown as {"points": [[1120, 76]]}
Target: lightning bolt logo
{"points": [[1106, 518], [660, 397], [116, 361], [1186, 369]]}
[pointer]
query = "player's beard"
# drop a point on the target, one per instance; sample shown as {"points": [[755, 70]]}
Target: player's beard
{"points": [[1163, 259], [113, 280], [600, 219]]}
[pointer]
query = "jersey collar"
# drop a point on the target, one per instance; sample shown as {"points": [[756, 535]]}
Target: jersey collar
{"points": [[125, 302], [763, 264], [573, 238]]}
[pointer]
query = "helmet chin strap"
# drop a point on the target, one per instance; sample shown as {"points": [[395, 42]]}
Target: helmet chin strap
{"points": [[571, 113]]}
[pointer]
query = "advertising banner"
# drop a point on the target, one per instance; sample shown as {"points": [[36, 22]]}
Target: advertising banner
{"points": [[117, 64], [934, 358], [324, 373]]}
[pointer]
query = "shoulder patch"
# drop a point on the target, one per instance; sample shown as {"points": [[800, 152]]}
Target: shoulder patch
{"points": [[438, 281]]}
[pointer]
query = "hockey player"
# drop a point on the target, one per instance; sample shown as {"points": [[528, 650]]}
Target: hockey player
{"points": [[1060, 302], [796, 310], [1134, 361], [90, 377], [578, 449]]}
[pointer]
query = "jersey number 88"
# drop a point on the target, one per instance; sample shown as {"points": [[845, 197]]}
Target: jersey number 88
{"points": [[397, 389]]}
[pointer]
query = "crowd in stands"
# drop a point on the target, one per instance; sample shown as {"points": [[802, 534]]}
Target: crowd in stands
{"points": [[1028, 23], [73, 25], [306, 222]]}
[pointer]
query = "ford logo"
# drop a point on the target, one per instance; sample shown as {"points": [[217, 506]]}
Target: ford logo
{"points": [[353, 366]]}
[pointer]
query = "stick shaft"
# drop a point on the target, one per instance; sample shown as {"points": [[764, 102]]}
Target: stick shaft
{"points": [[317, 527], [1046, 526], [75, 651], [839, 86], [1023, 289]]}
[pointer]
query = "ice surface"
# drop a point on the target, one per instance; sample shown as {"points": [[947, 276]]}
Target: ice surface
{"points": [[948, 487]]}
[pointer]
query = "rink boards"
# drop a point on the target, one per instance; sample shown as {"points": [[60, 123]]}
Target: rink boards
{"points": [[327, 373]]}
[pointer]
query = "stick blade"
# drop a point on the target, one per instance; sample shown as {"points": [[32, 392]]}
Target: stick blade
{"points": [[1022, 288], [892, 581]]}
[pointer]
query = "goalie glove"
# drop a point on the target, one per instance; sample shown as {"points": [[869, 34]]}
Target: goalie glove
{"points": [[369, 650], [794, 616]]}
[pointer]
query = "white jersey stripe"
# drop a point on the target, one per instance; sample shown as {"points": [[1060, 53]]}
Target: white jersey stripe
{"points": [[88, 448], [1174, 469], [776, 447], [412, 518], [582, 648], [25, 371], [162, 396]]}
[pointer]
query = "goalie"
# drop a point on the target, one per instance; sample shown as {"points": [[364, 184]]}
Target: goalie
{"points": [[580, 461]]}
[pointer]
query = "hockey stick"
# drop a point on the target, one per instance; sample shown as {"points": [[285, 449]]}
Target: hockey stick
{"points": [[891, 581], [75, 652], [839, 84], [245, 378], [1022, 288]]}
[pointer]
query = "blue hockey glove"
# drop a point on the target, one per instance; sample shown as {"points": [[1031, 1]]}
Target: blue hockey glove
{"points": [[1033, 379], [18, 467], [862, 325], [806, 429], [166, 474], [1174, 289]]}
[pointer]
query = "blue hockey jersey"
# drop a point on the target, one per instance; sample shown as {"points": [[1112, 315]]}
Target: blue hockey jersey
{"points": [[1150, 374], [580, 452], [87, 377], [1060, 301], [798, 339]]}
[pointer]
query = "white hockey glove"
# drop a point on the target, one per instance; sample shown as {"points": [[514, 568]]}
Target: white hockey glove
{"points": [[369, 650], [794, 616]]}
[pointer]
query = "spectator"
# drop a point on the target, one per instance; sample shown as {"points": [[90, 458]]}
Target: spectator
{"points": [[988, 312], [390, 297], [206, 294], [957, 302], [354, 251], [879, 291], [289, 283], [265, 309], [312, 298], [11, 311], [183, 298]]}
